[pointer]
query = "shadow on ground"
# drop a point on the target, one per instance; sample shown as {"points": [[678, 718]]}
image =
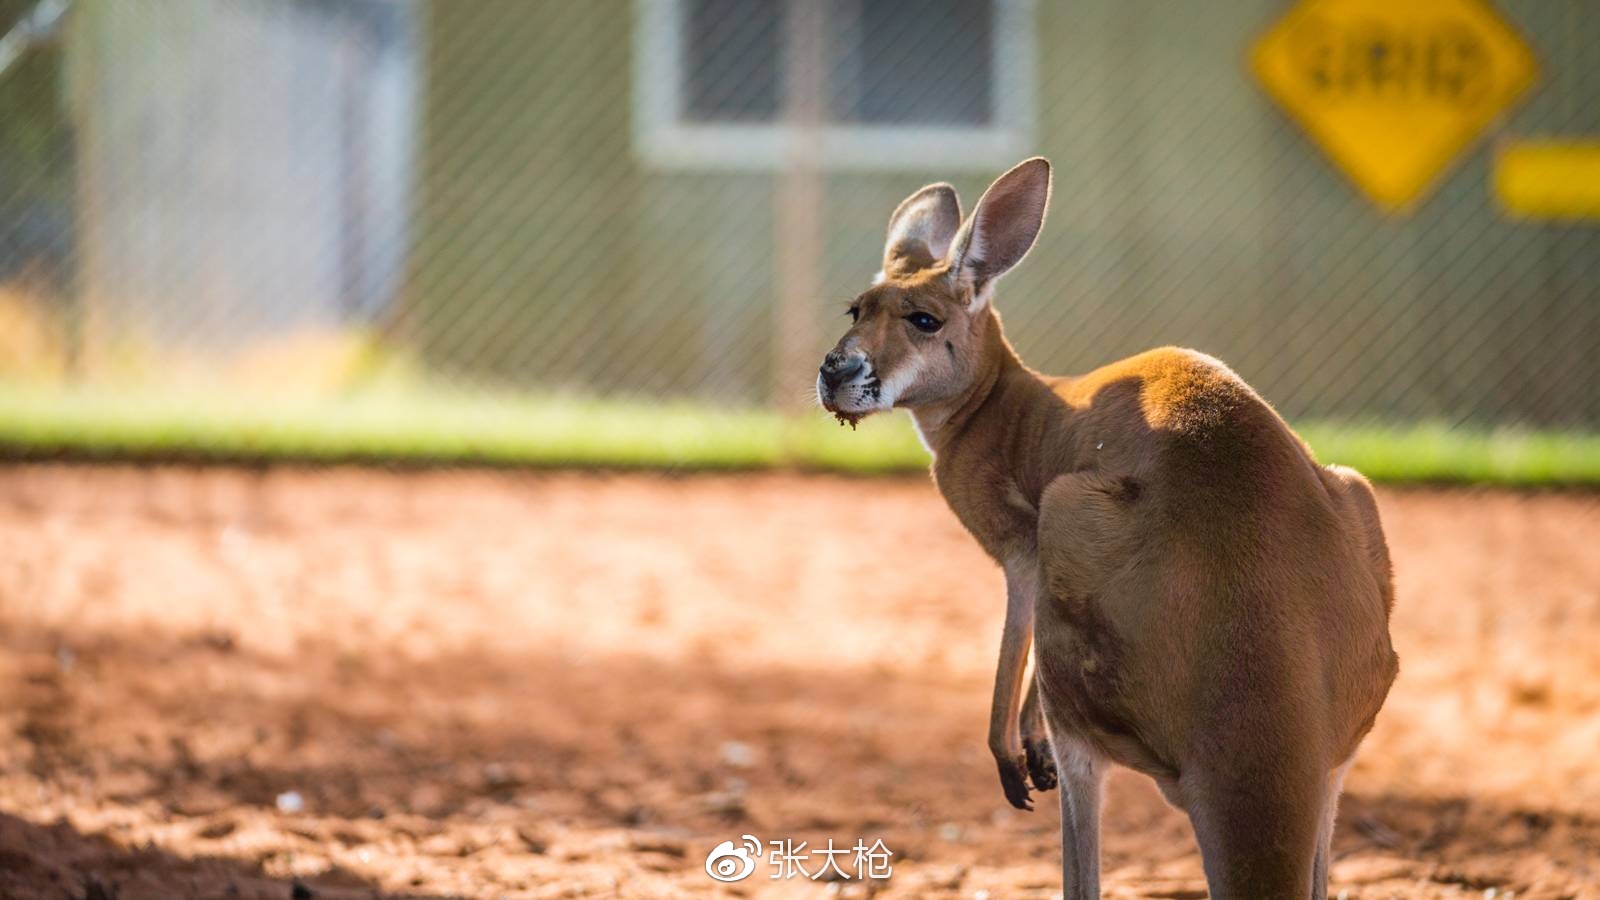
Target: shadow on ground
{"points": [[57, 861]]}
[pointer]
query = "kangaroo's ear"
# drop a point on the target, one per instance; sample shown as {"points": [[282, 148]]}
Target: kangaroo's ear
{"points": [[921, 229], [1002, 228]]}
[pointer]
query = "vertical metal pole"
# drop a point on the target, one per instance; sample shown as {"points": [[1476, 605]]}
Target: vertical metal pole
{"points": [[85, 105], [355, 61], [798, 227]]}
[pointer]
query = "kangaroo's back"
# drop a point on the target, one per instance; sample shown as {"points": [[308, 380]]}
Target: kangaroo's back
{"points": [[1215, 610], [1273, 566]]}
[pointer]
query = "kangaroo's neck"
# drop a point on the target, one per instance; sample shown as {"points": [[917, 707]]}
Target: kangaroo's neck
{"points": [[996, 447], [994, 450], [1003, 395]]}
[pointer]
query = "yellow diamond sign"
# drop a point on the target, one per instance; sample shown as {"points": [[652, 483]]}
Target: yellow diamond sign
{"points": [[1393, 90]]}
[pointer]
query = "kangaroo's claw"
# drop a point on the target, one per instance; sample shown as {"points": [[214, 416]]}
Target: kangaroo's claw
{"points": [[1014, 779]]}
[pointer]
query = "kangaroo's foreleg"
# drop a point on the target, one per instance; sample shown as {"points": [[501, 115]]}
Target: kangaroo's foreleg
{"points": [[1036, 739], [1005, 741]]}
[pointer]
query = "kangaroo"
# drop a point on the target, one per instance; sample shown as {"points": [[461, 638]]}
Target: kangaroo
{"points": [[1204, 603]]}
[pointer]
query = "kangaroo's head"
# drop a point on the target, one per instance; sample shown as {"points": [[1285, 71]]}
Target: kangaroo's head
{"points": [[921, 334]]}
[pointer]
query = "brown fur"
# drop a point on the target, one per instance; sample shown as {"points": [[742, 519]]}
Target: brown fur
{"points": [[1212, 605]]}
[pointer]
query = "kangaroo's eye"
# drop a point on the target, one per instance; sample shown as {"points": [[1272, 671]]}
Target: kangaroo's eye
{"points": [[854, 313], [923, 322]]}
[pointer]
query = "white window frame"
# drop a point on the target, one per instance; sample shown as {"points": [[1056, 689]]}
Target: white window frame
{"points": [[663, 139]]}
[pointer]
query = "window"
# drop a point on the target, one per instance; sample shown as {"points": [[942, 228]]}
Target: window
{"points": [[896, 83]]}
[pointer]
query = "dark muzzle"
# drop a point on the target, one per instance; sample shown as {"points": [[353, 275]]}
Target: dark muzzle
{"points": [[841, 368]]}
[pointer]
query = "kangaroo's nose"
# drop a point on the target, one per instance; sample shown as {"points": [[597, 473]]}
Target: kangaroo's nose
{"points": [[839, 368]]}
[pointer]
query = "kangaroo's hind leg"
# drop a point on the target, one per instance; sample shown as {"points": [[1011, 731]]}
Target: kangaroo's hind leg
{"points": [[1081, 775], [1330, 811]]}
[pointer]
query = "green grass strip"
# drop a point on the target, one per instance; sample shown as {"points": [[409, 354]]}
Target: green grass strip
{"points": [[427, 426]]}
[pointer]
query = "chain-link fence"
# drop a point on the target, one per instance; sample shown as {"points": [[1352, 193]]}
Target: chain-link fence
{"points": [[674, 198]]}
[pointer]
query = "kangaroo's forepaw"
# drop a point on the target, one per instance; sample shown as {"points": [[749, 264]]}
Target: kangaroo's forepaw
{"points": [[1014, 779], [1041, 762]]}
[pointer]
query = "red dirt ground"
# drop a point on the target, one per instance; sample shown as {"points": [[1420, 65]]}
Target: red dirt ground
{"points": [[483, 685]]}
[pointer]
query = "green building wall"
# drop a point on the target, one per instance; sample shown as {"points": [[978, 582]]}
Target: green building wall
{"points": [[1187, 210]]}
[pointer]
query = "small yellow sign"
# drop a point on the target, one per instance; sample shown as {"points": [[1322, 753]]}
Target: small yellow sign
{"points": [[1393, 90], [1549, 179]]}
